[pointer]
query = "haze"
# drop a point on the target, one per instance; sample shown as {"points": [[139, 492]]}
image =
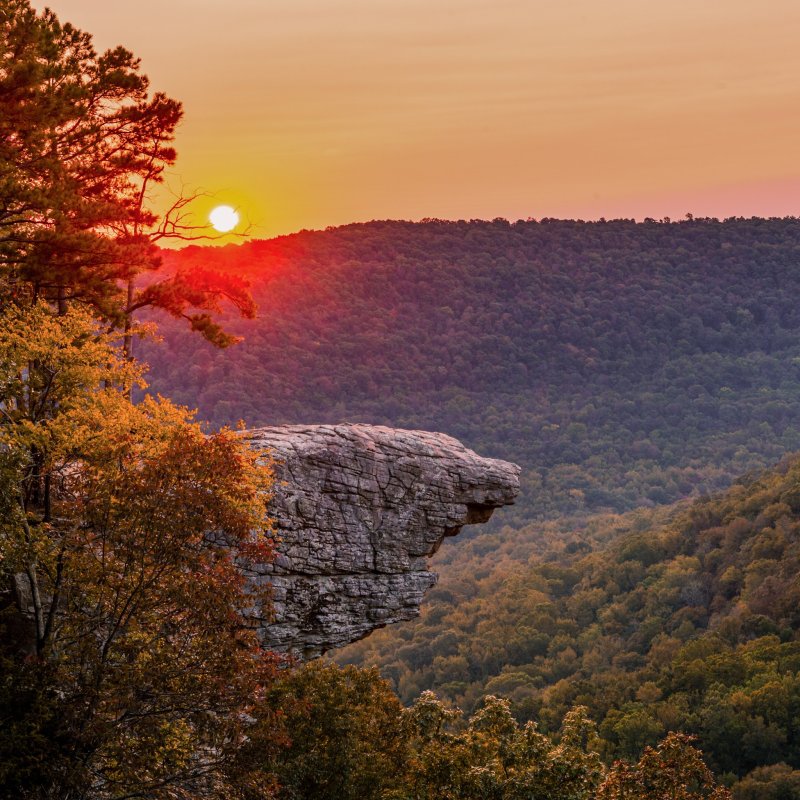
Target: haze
{"points": [[307, 113]]}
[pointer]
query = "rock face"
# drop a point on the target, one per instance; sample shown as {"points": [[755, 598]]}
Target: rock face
{"points": [[358, 510]]}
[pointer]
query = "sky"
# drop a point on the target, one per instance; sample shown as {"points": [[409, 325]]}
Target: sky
{"points": [[309, 113]]}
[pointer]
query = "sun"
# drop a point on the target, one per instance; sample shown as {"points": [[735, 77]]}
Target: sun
{"points": [[224, 218]]}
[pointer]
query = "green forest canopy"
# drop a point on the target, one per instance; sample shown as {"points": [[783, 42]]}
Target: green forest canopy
{"points": [[620, 364], [681, 618]]}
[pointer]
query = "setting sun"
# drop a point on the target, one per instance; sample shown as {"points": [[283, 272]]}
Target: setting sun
{"points": [[224, 218]]}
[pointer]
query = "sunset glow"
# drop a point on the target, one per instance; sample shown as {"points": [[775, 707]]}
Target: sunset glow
{"points": [[223, 218], [312, 113]]}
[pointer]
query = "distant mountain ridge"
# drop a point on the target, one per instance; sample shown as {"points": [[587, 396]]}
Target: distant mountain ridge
{"points": [[619, 363]]}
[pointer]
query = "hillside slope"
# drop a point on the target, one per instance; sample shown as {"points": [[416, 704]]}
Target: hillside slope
{"points": [[620, 364], [686, 618]]}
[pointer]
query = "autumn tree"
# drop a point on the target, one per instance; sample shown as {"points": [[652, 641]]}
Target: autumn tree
{"points": [[344, 731], [129, 663], [673, 770], [495, 758], [82, 143], [129, 660], [772, 782]]}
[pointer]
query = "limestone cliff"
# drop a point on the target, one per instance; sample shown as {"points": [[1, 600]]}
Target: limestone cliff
{"points": [[358, 510]]}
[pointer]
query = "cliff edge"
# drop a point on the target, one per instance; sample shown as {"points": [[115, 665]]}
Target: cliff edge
{"points": [[358, 510]]}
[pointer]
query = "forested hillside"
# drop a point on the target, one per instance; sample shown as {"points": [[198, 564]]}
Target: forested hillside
{"points": [[685, 618], [134, 541], [620, 364]]}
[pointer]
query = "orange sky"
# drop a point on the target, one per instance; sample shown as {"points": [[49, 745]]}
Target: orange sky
{"points": [[307, 113]]}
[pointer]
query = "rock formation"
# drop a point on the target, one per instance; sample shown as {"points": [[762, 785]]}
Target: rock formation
{"points": [[358, 509]]}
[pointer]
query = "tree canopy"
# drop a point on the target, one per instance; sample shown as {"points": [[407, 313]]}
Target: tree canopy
{"points": [[352, 739], [682, 619], [621, 364], [82, 144], [129, 662]]}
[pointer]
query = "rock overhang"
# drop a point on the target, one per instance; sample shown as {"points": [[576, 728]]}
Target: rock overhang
{"points": [[358, 509]]}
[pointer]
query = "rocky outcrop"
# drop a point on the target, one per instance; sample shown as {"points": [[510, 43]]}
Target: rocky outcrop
{"points": [[358, 510]]}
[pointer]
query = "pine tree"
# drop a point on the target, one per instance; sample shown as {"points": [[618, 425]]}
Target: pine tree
{"points": [[82, 143]]}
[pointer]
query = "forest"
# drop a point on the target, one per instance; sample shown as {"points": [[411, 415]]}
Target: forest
{"points": [[648, 653], [621, 364], [624, 365], [682, 618]]}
